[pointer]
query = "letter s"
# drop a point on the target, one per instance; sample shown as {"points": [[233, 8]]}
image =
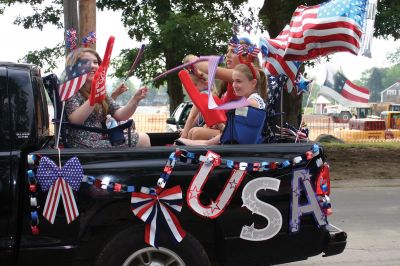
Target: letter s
{"points": [[259, 207]]}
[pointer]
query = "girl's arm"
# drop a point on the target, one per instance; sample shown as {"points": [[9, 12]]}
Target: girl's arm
{"points": [[125, 112], [222, 73], [253, 103], [79, 115], [193, 115]]}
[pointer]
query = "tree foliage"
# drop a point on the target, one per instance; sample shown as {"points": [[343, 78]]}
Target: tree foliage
{"points": [[175, 28], [387, 20], [172, 30], [378, 79]]}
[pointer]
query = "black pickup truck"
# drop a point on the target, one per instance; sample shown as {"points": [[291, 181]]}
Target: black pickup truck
{"points": [[221, 205]]}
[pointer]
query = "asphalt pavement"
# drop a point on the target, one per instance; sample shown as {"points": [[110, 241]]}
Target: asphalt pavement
{"points": [[369, 211]]}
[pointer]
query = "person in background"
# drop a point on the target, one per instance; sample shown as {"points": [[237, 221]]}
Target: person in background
{"points": [[80, 112], [195, 119], [247, 82]]}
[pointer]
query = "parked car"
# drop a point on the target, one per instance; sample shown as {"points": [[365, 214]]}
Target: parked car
{"points": [[178, 118]]}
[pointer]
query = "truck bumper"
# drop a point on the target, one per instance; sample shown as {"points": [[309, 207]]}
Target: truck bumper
{"points": [[335, 240]]}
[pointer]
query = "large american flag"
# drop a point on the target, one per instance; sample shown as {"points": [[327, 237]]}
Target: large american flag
{"points": [[273, 61], [334, 26], [73, 79]]}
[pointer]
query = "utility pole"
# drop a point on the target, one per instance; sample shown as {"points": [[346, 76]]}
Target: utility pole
{"points": [[71, 18], [87, 18]]}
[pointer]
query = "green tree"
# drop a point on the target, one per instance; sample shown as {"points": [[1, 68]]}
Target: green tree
{"points": [[375, 84], [172, 30], [394, 57], [175, 28], [392, 75]]}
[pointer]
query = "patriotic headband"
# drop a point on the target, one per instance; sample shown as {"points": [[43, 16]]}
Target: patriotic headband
{"points": [[242, 47]]}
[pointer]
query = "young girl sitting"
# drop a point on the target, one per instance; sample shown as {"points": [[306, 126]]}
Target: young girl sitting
{"points": [[246, 82]]}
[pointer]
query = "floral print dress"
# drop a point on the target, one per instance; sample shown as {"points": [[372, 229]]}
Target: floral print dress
{"points": [[84, 139]]}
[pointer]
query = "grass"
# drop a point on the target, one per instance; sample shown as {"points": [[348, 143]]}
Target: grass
{"points": [[386, 145]]}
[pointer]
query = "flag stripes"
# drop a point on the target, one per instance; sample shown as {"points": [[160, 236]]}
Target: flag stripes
{"points": [[69, 88]]}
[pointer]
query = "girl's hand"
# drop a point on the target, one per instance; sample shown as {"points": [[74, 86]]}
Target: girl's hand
{"points": [[191, 58], [183, 133], [141, 94], [118, 91]]}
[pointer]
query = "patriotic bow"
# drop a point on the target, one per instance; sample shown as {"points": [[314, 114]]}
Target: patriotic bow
{"points": [[89, 39], [158, 210], [60, 183], [98, 89], [71, 39]]}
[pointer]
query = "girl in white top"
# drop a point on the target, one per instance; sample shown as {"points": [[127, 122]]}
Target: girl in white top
{"points": [[246, 82]]}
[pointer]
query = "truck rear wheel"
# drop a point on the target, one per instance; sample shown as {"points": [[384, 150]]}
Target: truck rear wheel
{"points": [[344, 116], [129, 249]]}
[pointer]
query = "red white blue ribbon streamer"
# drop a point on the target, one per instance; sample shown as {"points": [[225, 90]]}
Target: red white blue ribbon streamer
{"points": [[157, 210], [60, 183]]}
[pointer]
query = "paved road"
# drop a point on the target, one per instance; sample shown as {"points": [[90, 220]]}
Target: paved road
{"points": [[369, 211]]}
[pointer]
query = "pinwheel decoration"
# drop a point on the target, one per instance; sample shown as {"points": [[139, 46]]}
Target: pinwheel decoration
{"points": [[60, 183]]}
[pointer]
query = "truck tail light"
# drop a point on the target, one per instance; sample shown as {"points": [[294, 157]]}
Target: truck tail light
{"points": [[323, 188]]}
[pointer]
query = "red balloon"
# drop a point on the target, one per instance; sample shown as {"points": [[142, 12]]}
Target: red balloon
{"points": [[98, 89], [211, 117]]}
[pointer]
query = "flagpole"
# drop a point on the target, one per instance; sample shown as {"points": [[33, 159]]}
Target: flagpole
{"points": [[302, 117], [281, 111], [59, 125]]}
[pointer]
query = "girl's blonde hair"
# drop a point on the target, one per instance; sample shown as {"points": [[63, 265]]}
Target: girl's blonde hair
{"points": [[71, 60], [261, 86]]}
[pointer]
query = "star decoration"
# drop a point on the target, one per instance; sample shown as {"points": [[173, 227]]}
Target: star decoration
{"points": [[247, 201], [296, 192], [194, 193], [214, 206], [248, 230], [233, 184]]}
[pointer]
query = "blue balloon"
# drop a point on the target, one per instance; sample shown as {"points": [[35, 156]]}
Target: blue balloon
{"points": [[302, 84]]}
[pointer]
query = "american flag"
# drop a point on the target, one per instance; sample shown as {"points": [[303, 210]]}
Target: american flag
{"points": [[334, 26], [73, 79], [274, 63], [342, 90]]}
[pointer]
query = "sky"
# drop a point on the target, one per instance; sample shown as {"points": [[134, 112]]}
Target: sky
{"points": [[17, 41]]}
